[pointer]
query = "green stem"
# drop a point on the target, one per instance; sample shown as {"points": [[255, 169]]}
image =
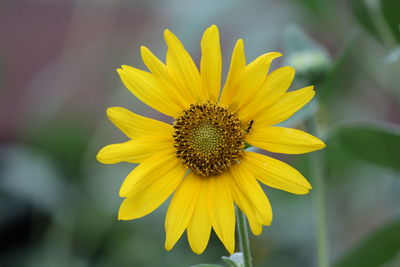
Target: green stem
{"points": [[243, 238], [375, 10], [317, 174]]}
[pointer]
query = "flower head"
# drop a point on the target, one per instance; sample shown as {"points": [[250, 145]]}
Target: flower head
{"points": [[200, 159]]}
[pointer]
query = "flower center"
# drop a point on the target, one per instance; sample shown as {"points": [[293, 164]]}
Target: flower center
{"points": [[208, 138]]}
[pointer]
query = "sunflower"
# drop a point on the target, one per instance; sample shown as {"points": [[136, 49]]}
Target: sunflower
{"points": [[201, 158]]}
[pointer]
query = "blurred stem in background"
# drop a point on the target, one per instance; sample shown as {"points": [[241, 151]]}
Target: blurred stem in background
{"points": [[244, 243], [313, 65], [374, 8], [317, 163]]}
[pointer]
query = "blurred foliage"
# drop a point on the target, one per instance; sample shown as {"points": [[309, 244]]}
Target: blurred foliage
{"points": [[207, 265], [378, 145], [310, 59], [380, 18], [376, 249], [365, 17], [391, 12], [319, 7], [234, 260], [58, 206], [339, 76], [64, 140], [393, 56]]}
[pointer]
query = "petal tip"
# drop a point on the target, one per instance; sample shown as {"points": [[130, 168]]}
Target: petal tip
{"points": [[111, 111], [99, 156], [309, 187], [274, 55], [123, 192], [197, 250], [168, 246], [257, 233], [305, 192], [125, 67], [290, 69], [121, 216], [319, 145], [167, 34], [231, 250], [144, 49], [213, 28]]}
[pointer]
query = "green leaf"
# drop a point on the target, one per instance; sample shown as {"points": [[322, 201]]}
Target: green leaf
{"points": [[309, 58], [391, 13], [338, 78], [373, 143], [375, 250], [317, 7], [65, 141], [364, 17], [234, 260]]}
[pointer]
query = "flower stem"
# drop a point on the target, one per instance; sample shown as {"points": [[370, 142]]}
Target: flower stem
{"points": [[243, 238], [317, 174]]}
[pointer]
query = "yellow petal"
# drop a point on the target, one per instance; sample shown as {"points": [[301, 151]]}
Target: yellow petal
{"points": [[150, 192], [134, 151], [182, 95], [254, 77], [182, 67], [149, 90], [161, 169], [284, 108], [255, 227], [275, 173], [134, 125], [199, 228], [221, 210], [181, 209], [273, 88], [284, 140], [248, 186], [235, 73], [247, 208], [211, 62]]}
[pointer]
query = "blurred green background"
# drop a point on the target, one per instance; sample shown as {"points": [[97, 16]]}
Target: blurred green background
{"points": [[58, 205]]}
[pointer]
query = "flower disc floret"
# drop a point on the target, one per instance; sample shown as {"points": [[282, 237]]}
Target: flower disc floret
{"points": [[208, 138]]}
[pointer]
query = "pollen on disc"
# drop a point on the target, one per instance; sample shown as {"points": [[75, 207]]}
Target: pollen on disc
{"points": [[208, 138]]}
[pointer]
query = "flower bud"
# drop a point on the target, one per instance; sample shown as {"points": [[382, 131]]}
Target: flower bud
{"points": [[311, 65]]}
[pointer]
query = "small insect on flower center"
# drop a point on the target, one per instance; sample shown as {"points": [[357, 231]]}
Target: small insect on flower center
{"points": [[208, 138]]}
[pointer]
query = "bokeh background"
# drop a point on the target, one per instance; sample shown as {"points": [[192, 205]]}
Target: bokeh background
{"points": [[58, 205]]}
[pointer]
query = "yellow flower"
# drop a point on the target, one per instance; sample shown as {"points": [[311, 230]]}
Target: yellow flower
{"points": [[200, 159]]}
